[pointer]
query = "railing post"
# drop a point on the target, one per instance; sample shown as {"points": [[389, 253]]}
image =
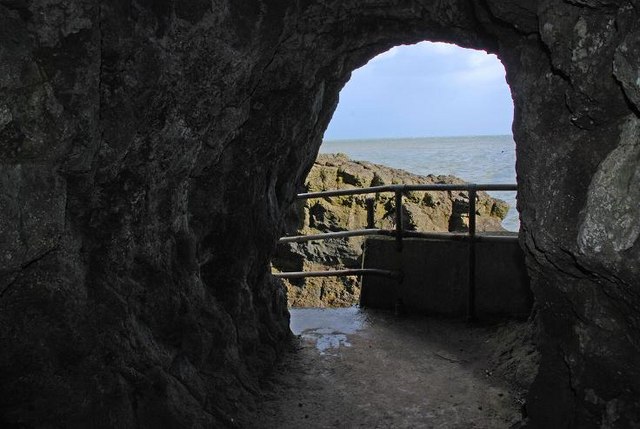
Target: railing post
{"points": [[371, 213], [399, 226], [471, 308]]}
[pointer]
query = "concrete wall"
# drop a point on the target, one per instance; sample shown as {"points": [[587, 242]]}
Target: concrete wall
{"points": [[436, 277]]}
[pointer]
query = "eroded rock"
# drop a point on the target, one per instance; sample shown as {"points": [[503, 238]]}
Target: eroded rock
{"points": [[168, 140]]}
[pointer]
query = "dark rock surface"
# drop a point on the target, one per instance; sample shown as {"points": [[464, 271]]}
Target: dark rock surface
{"points": [[150, 148]]}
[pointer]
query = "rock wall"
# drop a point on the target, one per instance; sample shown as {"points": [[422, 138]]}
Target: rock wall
{"points": [[150, 148], [136, 217], [422, 211]]}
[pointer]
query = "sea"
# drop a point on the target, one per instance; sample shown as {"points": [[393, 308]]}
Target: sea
{"points": [[475, 159]]}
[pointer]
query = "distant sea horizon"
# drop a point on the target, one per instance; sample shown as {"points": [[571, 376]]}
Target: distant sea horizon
{"points": [[475, 159], [457, 136]]}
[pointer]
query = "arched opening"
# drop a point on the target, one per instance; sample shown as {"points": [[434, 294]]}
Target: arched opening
{"points": [[415, 114], [457, 98], [431, 113]]}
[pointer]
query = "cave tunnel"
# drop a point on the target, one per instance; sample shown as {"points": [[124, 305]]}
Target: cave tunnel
{"points": [[150, 149], [364, 341]]}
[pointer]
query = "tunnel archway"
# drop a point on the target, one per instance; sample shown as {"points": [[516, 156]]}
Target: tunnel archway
{"points": [[551, 118], [424, 110], [149, 153]]}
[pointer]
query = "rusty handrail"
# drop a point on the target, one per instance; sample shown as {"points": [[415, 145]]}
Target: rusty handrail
{"points": [[333, 273], [408, 188], [450, 236], [329, 235]]}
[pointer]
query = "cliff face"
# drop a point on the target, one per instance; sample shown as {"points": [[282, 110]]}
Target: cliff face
{"points": [[422, 211], [149, 150]]}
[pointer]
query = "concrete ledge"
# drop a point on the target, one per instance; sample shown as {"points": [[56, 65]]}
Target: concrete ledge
{"points": [[436, 277]]}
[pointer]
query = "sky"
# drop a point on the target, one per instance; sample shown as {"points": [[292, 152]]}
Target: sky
{"points": [[424, 90]]}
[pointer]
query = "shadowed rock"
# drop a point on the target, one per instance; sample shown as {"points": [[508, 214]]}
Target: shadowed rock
{"points": [[149, 151]]}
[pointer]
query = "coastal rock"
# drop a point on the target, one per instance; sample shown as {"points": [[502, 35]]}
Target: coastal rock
{"points": [[149, 151], [422, 211]]}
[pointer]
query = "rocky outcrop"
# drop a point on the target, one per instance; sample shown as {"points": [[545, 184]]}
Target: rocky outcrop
{"points": [[422, 211], [149, 151]]}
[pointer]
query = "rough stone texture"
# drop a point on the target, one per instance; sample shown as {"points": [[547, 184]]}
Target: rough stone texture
{"points": [[422, 211], [150, 148]]}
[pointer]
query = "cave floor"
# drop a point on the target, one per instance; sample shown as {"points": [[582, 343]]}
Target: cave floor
{"points": [[353, 368]]}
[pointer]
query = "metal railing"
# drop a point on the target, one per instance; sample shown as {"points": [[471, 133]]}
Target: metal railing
{"points": [[399, 232]]}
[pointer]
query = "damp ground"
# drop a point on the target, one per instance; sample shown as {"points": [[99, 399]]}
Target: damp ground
{"points": [[352, 368]]}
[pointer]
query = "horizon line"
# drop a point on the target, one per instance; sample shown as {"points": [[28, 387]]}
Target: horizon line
{"points": [[415, 137]]}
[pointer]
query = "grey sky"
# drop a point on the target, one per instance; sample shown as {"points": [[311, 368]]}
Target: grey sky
{"points": [[427, 89]]}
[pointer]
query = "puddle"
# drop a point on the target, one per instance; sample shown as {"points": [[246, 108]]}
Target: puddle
{"points": [[328, 328]]}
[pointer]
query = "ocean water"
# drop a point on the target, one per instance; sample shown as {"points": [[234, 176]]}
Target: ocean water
{"points": [[475, 159]]}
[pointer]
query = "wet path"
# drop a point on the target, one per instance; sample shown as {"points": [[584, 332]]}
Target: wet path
{"points": [[375, 370]]}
